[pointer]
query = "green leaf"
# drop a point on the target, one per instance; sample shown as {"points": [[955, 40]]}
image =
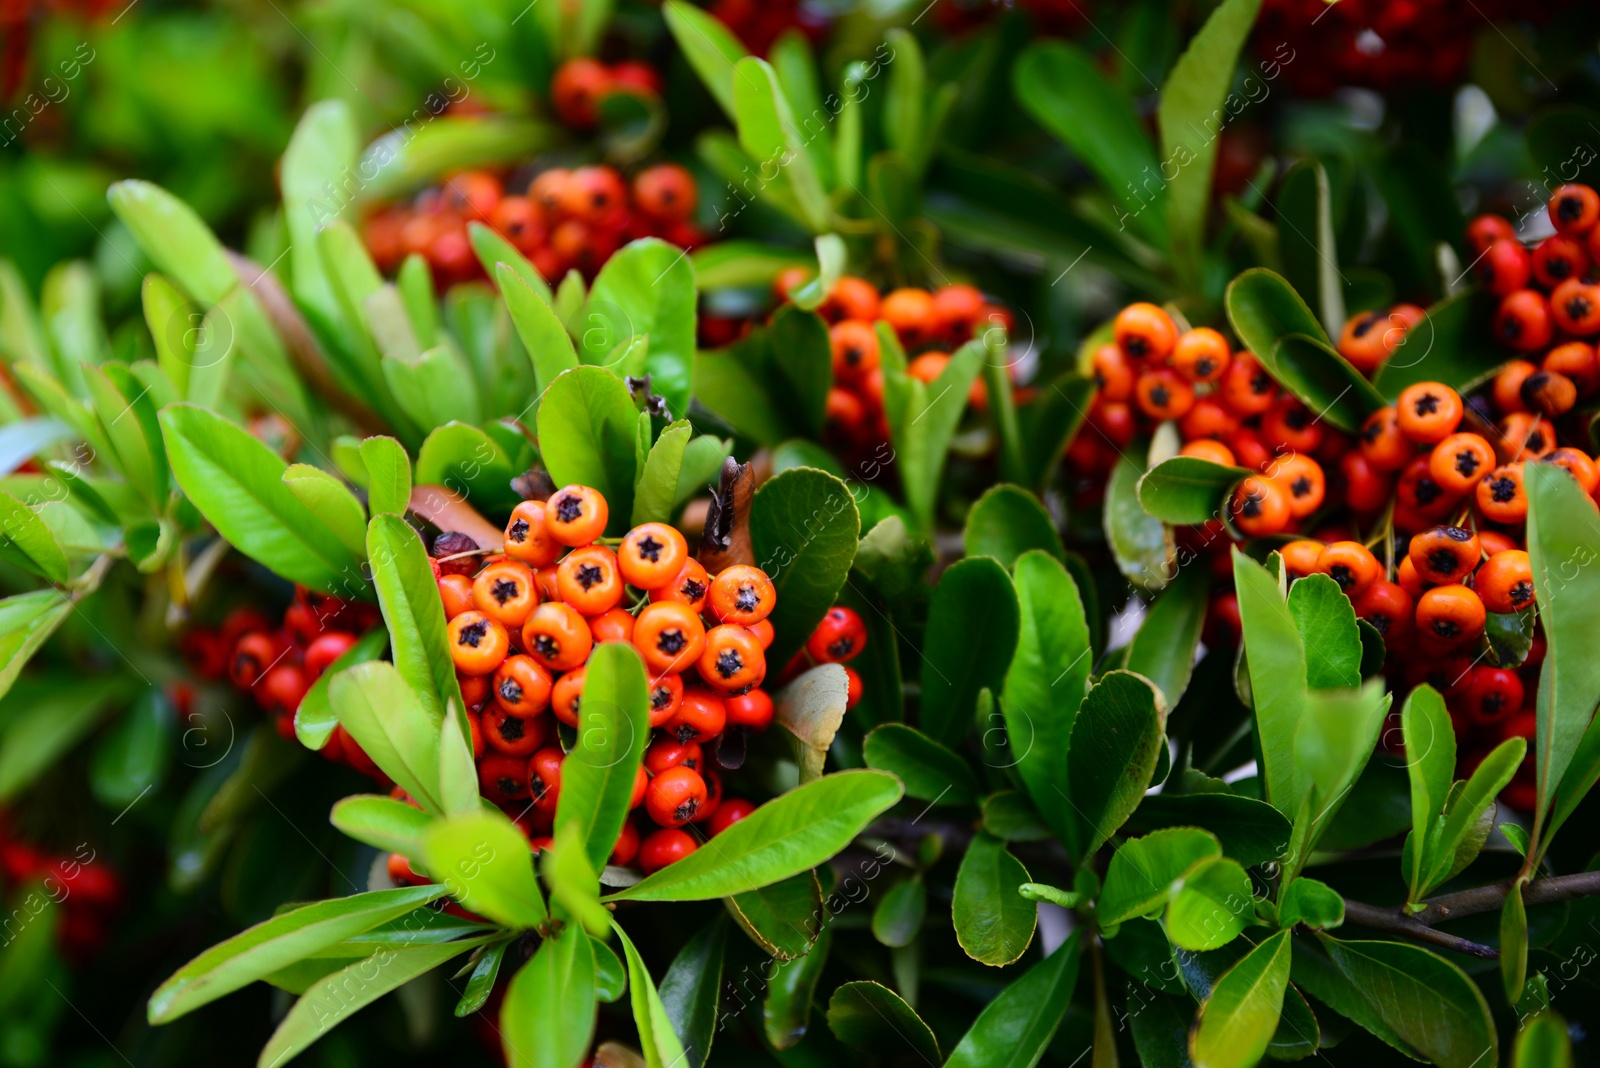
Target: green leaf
{"points": [[1332, 744], [647, 288], [870, 1018], [548, 345], [1263, 308], [1062, 88], [1564, 537], [493, 252], [783, 918], [321, 155], [1011, 817], [1430, 747], [656, 495], [382, 822], [1211, 906], [485, 862], [237, 484], [172, 322], [1163, 650], [1327, 624], [133, 756], [175, 238], [1006, 522], [1313, 903], [768, 133], [611, 978], [388, 475], [1543, 1043], [709, 46], [994, 923], [1306, 241], [414, 614], [923, 420], [786, 1012], [1321, 978], [278, 942], [691, 988], [734, 264], [345, 992], [28, 542], [1239, 1018], [435, 387], [1141, 543], [972, 632], [480, 984], [803, 531], [587, 425], [1252, 832], [899, 913], [613, 729], [469, 465], [1051, 421], [783, 837], [558, 984], [329, 498], [574, 882], [931, 772], [1427, 1001], [810, 710], [1116, 740], [1186, 490], [1464, 814], [1277, 664], [35, 736], [387, 718], [1455, 344], [1141, 874], [1514, 943], [661, 1046], [314, 720], [1016, 1027], [1190, 117]]}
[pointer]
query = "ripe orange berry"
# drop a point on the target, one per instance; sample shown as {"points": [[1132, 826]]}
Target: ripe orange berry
{"points": [[615, 625], [855, 350], [1500, 496], [1201, 355], [1206, 449], [1362, 341], [1428, 412], [1163, 394], [1389, 608], [1444, 555], [1209, 418], [666, 846], [593, 194], [851, 298], [701, 716], [651, 555], [557, 637], [1300, 556], [957, 310], [1527, 436], [669, 636], [1458, 461], [666, 191], [839, 637], [667, 752], [513, 735], [1576, 360], [1523, 320], [1145, 332], [733, 660], [576, 89], [477, 643], [521, 686], [675, 796], [1351, 565], [753, 709], [910, 312], [1451, 614], [666, 697], [1303, 483], [1113, 374], [1246, 387], [742, 594], [1259, 507], [475, 689], [1505, 581], [502, 778], [1383, 443], [1508, 385], [689, 587], [505, 591], [1574, 309], [576, 515], [1290, 426], [1577, 464], [1366, 489], [627, 846], [455, 591], [589, 581], [731, 811], [1417, 489], [1549, 393], [544, 778], [527, 539], [566, 695], [1574, 208], [1557, 259]]}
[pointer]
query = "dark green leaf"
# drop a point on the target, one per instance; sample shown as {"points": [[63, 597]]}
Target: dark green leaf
{"points": [[1185, 490], [34, 737], [871, 1018], [803, 531], [931, 772], [994, 923], [1306, 241], [1514, 943], [1006, 522], [709, 46], [1324, 381], [783, 837], [973, 624], [1116, 739], [784, 917], [1163, 650], [133, 756], [1455, 345], [1141, 543], [480, 984], [899, 913], [923, 419], [587, 427], [1277, 664], [1017, 1026], [691, 988], [1252, 832], [1011, 817], [786, 1012]]}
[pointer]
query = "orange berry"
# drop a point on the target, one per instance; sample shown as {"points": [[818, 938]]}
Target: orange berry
{"points": [[576, 515], [1145, 332], [506, 592], [557, 636], [477, 643]]}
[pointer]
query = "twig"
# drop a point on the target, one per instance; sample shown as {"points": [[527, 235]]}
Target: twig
{"points": [[1469, 903]]}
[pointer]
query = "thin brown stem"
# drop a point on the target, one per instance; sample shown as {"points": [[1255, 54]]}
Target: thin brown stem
{"points": [[1419, 925]]}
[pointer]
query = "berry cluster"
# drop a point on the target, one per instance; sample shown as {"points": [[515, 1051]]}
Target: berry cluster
{"points": [[85, 889], [581, 85], [928, 325], [276, 663], [522, 625], [565, 220]]}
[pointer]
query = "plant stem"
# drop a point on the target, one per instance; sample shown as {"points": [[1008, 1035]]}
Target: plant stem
{"points": [[1469, 903]]}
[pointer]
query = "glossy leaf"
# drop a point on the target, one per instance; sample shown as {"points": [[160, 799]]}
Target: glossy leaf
{"points": [[1185, 490], [1141, 543], [543, 337], [803, 531], [994, 923], [133, 756], [783, 918], [1327, 624], [1016, 1027], [387, 718], [1514, 943], [558, 984], [1251, 831], [1211, 906], [870, 1018], [1163, 650], [661, 1046], [931, 772], [709, 46], [1277, 664], [1116, 741], [574, 882], [485, 862], [647, 288], [385, 823], [613, 729], [1140, 876], [1430, 746], [1459, 840], [691, 988], [587, 426], [1543, 1042], [786, 1011], [175, 238], [784, 837], [282, 940], [35, 736], [1455, 345], [481, 981], [468, 464], [769, 134], [1306, 241], [898, 916], [237, 484], [332, 500], [1239, 1018], [388, 475], [657, 491], [409, 597], [1313, 903], [27, 542], [1008, 521], [923, 419], [972, 632]]}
